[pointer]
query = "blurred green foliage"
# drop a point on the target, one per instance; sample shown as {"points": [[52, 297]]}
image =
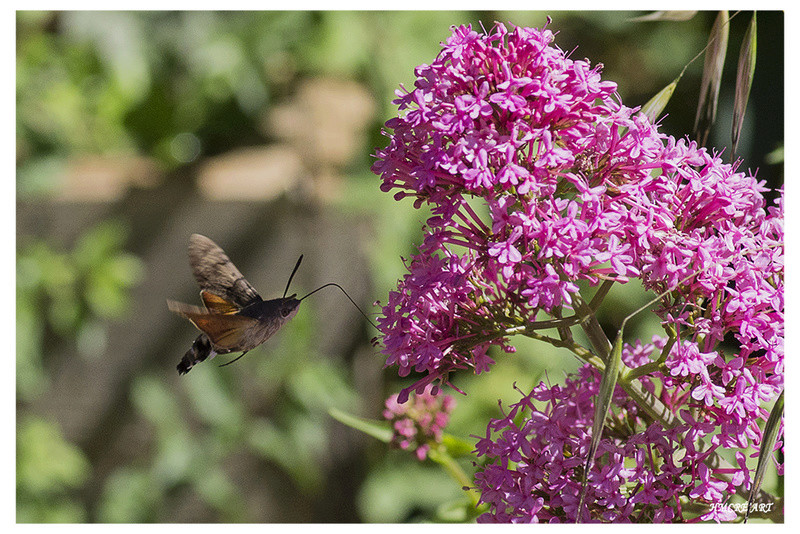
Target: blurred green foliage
{"points": [[177, 87], [110, 82], [48, 468], [70, 295]]}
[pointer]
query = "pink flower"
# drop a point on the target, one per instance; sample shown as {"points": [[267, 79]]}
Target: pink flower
{"points": [[418, 424]]}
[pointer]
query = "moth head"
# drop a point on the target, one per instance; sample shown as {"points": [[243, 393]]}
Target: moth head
{"points": [[289, 307]]}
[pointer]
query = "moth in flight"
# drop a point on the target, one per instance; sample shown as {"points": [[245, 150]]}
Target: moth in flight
{"points": [[234, 317]]}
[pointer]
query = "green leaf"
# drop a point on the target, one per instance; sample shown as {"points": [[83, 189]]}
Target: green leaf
{"points": [[712, 77], [768, 440], [99, 243], [340, 43], [320, 386], [776, 157], [455, 511], [216, 489], [31, 377], [297, 449], [744, 81], [403, 490], [156, 403], [64, 312], [602, 404], [128, 497], [214, 403], [46, 462], [676, 16], [655, 106], [377, 429], [613, 367], [456, 472], [126, 269], [57, 272], [39, 176], [457, 447], [51, 511]]}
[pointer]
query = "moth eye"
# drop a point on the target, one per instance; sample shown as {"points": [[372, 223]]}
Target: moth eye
{"points": [[285, 312]]}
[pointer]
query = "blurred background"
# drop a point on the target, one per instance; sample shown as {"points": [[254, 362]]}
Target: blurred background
{"points": [[137, 129]]}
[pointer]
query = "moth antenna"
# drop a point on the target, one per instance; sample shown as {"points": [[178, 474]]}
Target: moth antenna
{"points": [[296, 266], [233, 360], [348, 298]]}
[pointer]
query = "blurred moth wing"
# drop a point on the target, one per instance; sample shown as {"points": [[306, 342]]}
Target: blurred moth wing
{"points": [[216, 274], [227, 332], [216, 304]]}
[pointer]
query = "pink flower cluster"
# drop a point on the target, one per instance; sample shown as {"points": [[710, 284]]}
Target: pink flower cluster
{"points": [[644, 473], [539, 178], [575, 186], [536, 451], [419, 423]]}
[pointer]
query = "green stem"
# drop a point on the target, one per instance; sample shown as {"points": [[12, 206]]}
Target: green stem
{"points": [[591, 326], [601, 294], [441, 457]]}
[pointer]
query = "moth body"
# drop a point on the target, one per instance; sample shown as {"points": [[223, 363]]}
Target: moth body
{"points": [[234, 317]]}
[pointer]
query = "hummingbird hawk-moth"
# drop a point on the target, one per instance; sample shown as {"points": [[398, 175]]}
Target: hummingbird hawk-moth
{"points": [[234, 318]]}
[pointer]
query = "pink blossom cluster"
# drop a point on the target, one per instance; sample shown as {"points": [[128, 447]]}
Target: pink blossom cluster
{"points": [[537, 451], [420, 422], [538, 178]]}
